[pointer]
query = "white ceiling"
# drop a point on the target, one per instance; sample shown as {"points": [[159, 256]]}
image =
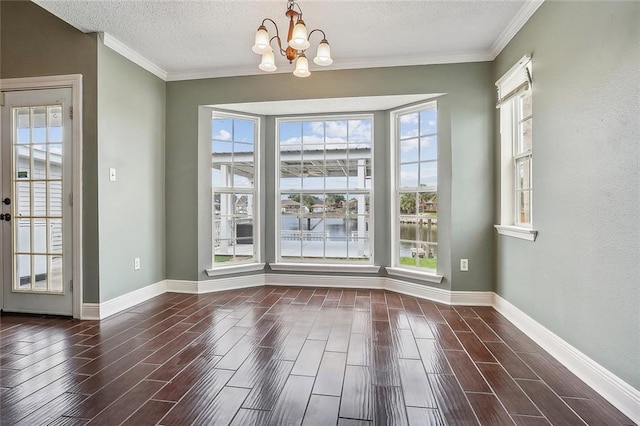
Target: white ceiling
{"points": [[182, 39]]}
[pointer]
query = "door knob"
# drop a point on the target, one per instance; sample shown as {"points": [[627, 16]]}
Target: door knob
{"points": [[6, 201], [5, 216]]}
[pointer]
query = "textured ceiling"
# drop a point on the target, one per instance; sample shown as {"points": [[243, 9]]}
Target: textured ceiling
{"points": [[185, 38]]}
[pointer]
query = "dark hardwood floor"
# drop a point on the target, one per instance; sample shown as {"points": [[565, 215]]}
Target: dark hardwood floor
{"points": [[287, 356]]}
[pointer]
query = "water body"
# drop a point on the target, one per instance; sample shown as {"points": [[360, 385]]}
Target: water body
{"points": [[338, 229]]}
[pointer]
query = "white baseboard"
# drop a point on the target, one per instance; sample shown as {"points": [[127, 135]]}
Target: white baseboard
{"points": [[472, 298], [418, 290], [96, 311], [210, 286], [325, 281], [615, 390]]}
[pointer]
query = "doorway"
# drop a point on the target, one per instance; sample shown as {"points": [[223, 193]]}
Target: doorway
{"points": [[37, 226]]}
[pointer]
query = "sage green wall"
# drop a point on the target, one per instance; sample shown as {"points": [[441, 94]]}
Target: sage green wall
{"points": [[581, 277], [131, 123], [35, 43], [470, 102]]}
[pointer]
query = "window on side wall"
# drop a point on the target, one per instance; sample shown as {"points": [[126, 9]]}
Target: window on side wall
{"points": [[324, 194], [234, 171], [415, 189], [516, 145]]}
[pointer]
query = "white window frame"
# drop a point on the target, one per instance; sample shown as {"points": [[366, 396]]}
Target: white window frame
{"points": [[256, 262], [512, 86], [396, 268], [326, 265]]}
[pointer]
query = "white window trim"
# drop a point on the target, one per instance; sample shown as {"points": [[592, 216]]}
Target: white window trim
{"points": [[508, 138], [521, 232], [235, 269], [414, 274], [324, 267], [257, 263], [405, 271], [371, 193]]}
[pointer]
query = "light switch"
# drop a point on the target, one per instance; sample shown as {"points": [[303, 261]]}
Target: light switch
{"points": [[112, 174]]}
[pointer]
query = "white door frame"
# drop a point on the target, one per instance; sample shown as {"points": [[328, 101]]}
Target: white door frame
{"points": [[74, 82]]}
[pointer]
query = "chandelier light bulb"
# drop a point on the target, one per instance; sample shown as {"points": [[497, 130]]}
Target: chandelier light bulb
{"points": [[323, 55], [261, 44], [302, 67], [299, 36], [268, 63]]}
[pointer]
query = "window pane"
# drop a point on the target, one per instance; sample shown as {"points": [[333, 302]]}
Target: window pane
{"points": [[429, 148], [417, 204], [429, 174], [23, 240], [409, 176], [526, 136], [359, 134], [233, 167], [523, 173], [243, 131], [409, 151], [39, 154], [409, 125], [523, 201], [222, 129], [315, 223], [290, 134], [428, 121]]}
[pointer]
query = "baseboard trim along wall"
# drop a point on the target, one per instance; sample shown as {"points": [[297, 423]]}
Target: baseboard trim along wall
{"points": [[98, 311], [622, 395], [615, 390]]}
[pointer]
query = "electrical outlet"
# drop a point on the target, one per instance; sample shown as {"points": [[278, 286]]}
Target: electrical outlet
{"points": [[136, 263], [464, 265]]}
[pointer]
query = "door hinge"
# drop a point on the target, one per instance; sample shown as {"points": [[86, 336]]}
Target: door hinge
{"points": [[71, 285], [71, 200], [71, 113], [1, 98]]}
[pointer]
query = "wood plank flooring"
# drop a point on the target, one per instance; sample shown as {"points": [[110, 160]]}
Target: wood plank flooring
{"points": [[287, 356]]}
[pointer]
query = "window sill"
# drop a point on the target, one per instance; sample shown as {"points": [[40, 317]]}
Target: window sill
{"points": [[417, 275], [235, 269], [517, 232], [324, 267]]}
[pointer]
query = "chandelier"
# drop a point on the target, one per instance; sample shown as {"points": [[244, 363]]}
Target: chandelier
{"points": [[297, 40]]}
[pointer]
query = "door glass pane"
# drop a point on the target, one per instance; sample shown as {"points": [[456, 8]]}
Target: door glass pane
{"points": [[55, 161], [22, 127], [40, 266], [23, 199], [55, 124], [22, 165], [39, 155], [55, 198], [39, 198], [55, 236], [39, 235], [22, 273], [23, 241], [55, 271], [39, 129], [38, 192]]}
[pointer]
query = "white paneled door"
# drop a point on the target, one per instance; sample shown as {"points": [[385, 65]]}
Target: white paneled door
{"points": [[35, 208]]}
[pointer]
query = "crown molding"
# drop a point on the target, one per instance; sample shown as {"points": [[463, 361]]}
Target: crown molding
{"points": [[121, 48], [354, 64], [521, 18]]}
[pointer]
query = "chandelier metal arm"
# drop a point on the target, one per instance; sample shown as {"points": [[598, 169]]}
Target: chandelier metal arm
{"points": [[277, 36], [324, 36]]}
